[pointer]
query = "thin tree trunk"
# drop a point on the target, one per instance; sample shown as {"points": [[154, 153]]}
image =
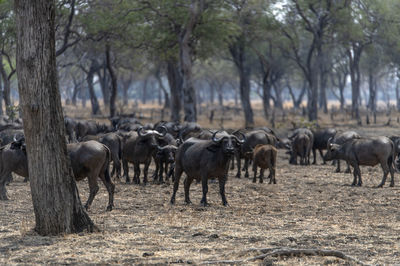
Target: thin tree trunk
{"points": [[167, 103], [1, 97], [104, 84], [55, 197], [175, 84], [92, 94], [75, 91], [6, 84], [185, 60], [114, 85], [144, 90]]}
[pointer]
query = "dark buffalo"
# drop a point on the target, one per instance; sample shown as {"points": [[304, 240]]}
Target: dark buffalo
{"points": [[88, 159], [301, 146], [310, 135], [365, 151], [320, 143], [11, 160], [84, 128], [202, 160], [165, 156], [138, 149], [70, 125], [340, 138]]}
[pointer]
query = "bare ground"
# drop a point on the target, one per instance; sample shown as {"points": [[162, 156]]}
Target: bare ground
{"points": [[310, 207]]}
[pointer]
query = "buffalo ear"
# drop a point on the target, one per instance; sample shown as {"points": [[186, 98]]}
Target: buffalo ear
{"points": [[212, 148]]}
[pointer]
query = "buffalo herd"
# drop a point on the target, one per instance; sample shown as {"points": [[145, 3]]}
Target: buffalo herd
{"points": [[202, 154]]}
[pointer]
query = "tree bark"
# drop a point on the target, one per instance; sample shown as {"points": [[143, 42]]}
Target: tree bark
{"points": [[6, 84], [114, 85], [104, 85], [1, 98], [238, 53], [185, 60], [93, 97], [167, 103], [175, 84], [55, 197], [354, 55]]}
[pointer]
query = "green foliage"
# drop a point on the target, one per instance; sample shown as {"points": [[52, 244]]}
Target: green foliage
{"points": [[12, 111]]}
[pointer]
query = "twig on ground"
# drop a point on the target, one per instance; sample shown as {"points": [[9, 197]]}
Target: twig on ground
{"points": [[290, 252]]}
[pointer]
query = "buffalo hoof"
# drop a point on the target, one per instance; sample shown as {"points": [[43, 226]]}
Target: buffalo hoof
{"points": [[314, 162], [204, 204], [238, 176], [391, 184], [379, 186], [109, 208], [337, 170], [261, 181], [353, 184], [254, 180], [188, 202], [246, 175], [225, 204], [172, 201], [347, 171]]}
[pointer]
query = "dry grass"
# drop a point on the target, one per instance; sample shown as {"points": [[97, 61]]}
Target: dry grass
{"points": [[310, 207]]}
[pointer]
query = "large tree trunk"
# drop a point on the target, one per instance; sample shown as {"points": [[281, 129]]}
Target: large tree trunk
{"points": [[313, 97], [175, 85], [93, 97], [114, 85], [55, 197]]}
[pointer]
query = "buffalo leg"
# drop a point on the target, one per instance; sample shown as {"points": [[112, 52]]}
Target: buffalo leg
{"points": [[272, 174], [385, 169], [110, 189], [93, 188], [204, 183], [315, 156], [177, 174], [3, 190], [136, 177], [246, 167], [391, 170], [261, 177], [357, 175], [187, 182], [145, 171], [166, 171], [161, 172], [126, 170], [338, 166], [238, 164], [255, 173], [233, 163], [222, 182], [348, 168], [156, 172], [322, 156]]}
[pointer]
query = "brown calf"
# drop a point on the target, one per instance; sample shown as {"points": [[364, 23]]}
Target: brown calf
{"points": [[264, 156]]}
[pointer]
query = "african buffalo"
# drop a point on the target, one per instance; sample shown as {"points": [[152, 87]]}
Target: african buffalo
{"points": [[205, 159], [88, 159], [321, 138], [138, 149], [253, 138], [365, 151], [340, 138], [301, 146]]}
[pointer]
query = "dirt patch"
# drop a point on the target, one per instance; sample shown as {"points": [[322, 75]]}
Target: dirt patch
{"points": [[310, 207]]}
